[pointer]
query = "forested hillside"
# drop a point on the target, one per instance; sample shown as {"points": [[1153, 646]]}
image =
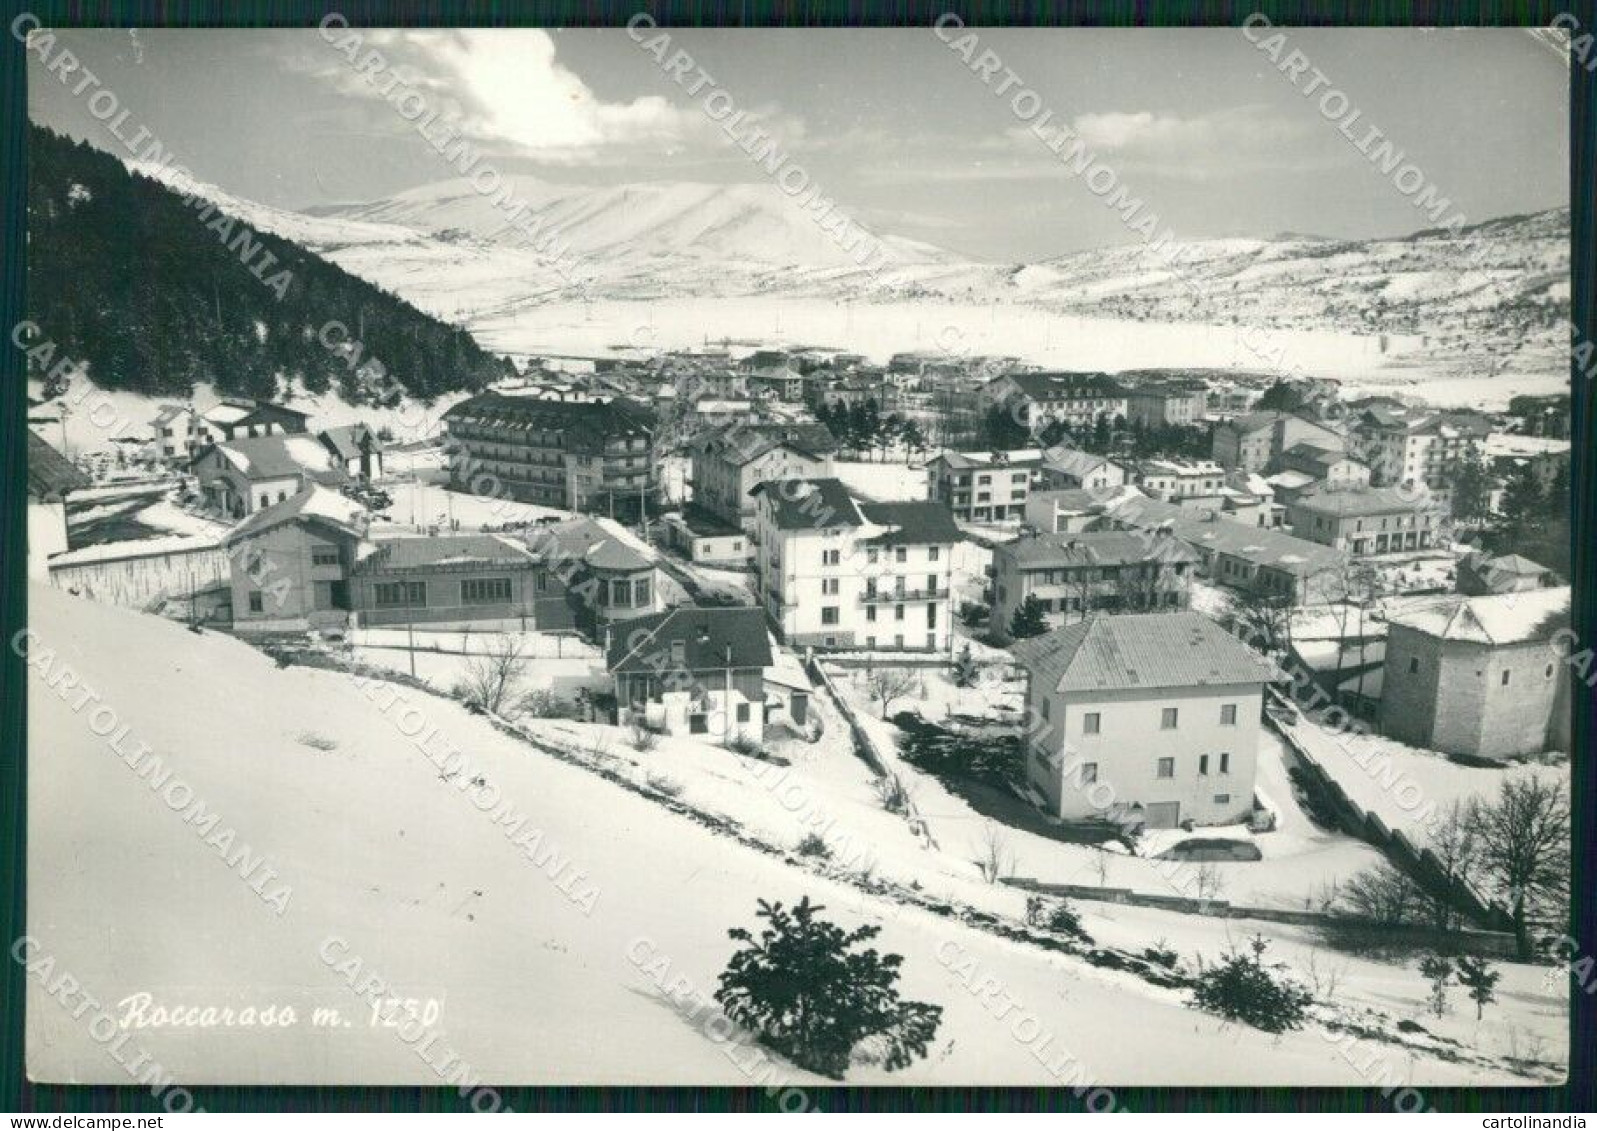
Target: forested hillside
{"points": [[155, 292]]}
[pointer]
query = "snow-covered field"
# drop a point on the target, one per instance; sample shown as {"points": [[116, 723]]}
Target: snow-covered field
{"points": [[883, 482], [1404, 786], [400, 870], [419, 504]]}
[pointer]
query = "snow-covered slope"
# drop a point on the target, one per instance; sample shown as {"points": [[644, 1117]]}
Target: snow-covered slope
{"points": [[733, 223], [393, 864]]}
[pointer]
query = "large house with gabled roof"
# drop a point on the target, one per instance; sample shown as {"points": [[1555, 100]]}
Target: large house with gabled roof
{"points": [[240, 477], [1143, 719], [693, 671], [729, 462]]}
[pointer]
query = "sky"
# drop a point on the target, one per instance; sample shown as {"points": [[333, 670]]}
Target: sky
{"points": [[893, 124]]}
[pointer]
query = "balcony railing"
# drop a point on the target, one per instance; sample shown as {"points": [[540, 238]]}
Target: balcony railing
{"points": [[895, 596]]}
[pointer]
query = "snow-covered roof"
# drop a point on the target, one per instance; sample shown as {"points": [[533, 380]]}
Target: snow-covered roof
{"points": [[314, 504], [1504, 618]]}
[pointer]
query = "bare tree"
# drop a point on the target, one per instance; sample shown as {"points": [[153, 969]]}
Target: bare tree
{"points": [[1386, 895], [489, 676], [996, 860], [1264, 617], [1353, 585], [1209, 881], [1455, 842], [1143, 587], [1524, 838], [1100, 866], [889, 684]]}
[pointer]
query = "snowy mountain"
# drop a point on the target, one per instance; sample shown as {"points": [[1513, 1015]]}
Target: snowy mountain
{"points": [[667, 264], [728, 223]]}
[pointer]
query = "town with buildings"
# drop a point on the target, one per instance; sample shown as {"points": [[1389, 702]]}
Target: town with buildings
{"points": [[1095, 678]]}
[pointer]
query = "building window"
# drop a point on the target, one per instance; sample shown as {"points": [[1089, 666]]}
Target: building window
{"points": [[829, 586], [1167, 718], [933, 553], [743, 712], [831, 557], [1045, 706], [1505, 679], [1549, 671], [324, 555], [1090, 722], [1167, 768], [1413, 664], [898, 612], [1203, 765], [871, 556], [1222, 799], [485, 591], [1089, 773], [255, 603], [829, 614], [870, 613], [1228, 714], [401, 594], [1225, 763], [640, 593], [901, 555]]}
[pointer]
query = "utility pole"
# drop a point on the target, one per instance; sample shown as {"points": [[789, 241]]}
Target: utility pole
{"points": [[410, 631]]}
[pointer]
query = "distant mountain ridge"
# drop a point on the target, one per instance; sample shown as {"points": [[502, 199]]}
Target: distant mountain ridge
{"points": [[676, 238], [455, 254], [155, 295]]}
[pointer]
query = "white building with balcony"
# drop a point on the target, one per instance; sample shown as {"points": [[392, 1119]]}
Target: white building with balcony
{"points": [[833, 571]]}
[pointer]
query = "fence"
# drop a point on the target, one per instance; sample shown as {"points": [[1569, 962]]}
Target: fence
{"points": [[1491, 944], [885, 764], [1420, 863], [535, 645]]}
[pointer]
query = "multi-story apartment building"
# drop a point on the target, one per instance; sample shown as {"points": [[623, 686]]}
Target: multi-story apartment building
{"points": [[1149, 719], [1173, 479], [1255, 442], [1075, 575], [984, 486], [1172, 405], [835, 572], [1367, 520], [730, 462], [588, 453], [1412, 446], [1037, 399]]}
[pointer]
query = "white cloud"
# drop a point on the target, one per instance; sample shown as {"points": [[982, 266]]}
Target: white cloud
{"points": [[506, 88], [1222, 143]]}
